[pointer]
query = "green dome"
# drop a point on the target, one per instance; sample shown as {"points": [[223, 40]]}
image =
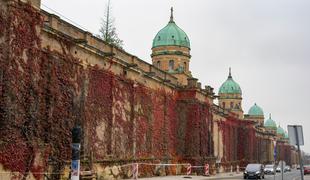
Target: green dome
{"points": [[269, 123], [286, 135], [230, 86], [171, 35], [256, 111], [280, 131]]}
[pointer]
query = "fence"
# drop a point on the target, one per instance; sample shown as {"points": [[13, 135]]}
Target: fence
{"points": [[136, 170]]}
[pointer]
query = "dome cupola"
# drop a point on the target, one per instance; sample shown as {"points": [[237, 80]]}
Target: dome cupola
{"points": [[286, 135], [256, 111], [269, 123], [171, 35], [280, 131], [230, 86], [230, 96], [171, 51]]}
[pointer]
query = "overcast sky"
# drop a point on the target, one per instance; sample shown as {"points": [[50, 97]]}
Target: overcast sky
{"points": [[266, 43]]}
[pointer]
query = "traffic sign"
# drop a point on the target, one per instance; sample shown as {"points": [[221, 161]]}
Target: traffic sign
{"points": [[293, 135]]}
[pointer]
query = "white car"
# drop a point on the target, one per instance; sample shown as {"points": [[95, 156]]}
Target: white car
{"points": [[287, 168], [278, 169], [269, 169]]}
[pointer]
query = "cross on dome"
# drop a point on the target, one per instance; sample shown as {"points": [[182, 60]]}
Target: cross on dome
{"points": [[171, 15]]}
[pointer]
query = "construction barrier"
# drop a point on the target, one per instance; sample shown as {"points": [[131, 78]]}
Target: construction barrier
{"points": [[207, 170], [231, 169], [189, 170], [135, 170]]}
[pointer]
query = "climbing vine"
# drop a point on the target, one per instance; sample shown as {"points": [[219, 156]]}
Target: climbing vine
{"points": [[45, 93]]}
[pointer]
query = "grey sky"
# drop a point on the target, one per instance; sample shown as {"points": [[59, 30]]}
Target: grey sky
{"points": [[267, 44]]}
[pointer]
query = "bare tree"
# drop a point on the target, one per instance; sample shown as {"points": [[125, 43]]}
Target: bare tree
{"points": [[108, 30]]}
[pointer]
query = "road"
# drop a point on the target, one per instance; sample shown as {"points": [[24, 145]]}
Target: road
{"points": [[293, 175]]}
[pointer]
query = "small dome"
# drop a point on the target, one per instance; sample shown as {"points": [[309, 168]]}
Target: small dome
{"points": [[171, 35], [230, 86], [280, 131], [269, 123], [286, 135], [256, 111]]}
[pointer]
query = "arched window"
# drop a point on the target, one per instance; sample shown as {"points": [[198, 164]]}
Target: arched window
{"points": [[171, 65], [231, 105], [158, 64], [185, 66], [223, 104]]}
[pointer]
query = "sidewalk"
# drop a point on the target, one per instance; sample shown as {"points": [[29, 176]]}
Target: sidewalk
{"points": [[220, 175]]}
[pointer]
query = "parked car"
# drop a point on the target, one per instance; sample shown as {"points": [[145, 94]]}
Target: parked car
{"points": [[278, 169], [269, 169], [287, 168], [306, 169], [254, 171]]}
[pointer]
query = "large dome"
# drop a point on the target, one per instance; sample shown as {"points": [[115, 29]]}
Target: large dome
{"points": [[230, 86], [256, 111], [171, 35], [270, 123]]}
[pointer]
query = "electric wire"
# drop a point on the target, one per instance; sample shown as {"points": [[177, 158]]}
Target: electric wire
{"points": [[64, 17]]}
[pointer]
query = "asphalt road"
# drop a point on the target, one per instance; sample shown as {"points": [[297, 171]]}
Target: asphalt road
{"points": [[293, 175]]}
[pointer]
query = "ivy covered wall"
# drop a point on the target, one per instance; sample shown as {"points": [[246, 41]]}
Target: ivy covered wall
{"points": [[44, 93]]}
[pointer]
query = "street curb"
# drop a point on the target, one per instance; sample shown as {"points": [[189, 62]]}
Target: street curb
{"points": [[199, 177], [223, 177]]}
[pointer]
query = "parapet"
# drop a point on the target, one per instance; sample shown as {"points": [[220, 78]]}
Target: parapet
{"points": [[88, 41], [35, 3]]}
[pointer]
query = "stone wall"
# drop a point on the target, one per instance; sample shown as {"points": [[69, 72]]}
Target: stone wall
{"points": [[55, 76]]}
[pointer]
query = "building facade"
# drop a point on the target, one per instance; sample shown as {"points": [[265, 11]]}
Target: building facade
{"points": [[55, 76]]}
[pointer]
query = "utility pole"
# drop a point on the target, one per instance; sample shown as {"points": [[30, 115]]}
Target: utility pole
{"points": [[274, 157]]}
